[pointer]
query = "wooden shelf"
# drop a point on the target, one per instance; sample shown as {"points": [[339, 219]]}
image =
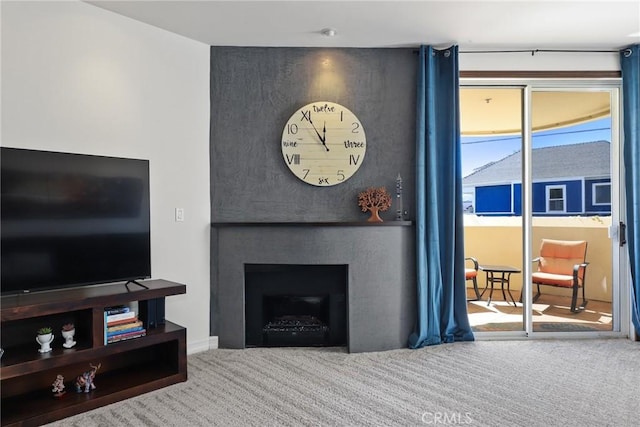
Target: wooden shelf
{"points": [[388, 223], [22, 306], [128, 368]]}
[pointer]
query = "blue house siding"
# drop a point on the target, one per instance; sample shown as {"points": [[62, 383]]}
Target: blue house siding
{"points": [[573, 196], [497, 199], [493, 199], [517, 199]]}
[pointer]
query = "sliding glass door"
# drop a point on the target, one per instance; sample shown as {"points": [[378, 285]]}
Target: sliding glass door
{"points": [[541, 177], [491, 123], [573, 172]]}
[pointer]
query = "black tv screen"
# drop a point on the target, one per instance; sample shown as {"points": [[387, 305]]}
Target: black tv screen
{"points": [[71, 220]]}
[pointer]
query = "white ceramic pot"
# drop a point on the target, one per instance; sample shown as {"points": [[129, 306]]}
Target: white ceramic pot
{"points": [[68, 338], [45, 342]]}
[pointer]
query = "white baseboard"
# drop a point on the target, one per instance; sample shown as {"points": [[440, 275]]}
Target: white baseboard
{"points": [[197, 346], [213, 343], [202, 345]]}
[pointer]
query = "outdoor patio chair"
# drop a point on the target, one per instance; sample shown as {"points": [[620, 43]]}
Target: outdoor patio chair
{"points": [[562, 263], [472, 275]]}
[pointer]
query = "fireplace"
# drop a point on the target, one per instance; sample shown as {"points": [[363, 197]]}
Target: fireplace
{"points": [[295, 305], [367, 271]]}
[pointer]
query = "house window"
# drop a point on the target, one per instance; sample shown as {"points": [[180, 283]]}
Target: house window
{"points": [[556, 201], [601, 193]]}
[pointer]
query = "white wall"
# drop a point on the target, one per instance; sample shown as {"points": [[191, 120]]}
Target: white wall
{"points": [[77, 78], [541, 61]]}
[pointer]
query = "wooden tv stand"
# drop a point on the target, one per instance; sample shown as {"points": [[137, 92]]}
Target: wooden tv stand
{"points": [[129, 368]]}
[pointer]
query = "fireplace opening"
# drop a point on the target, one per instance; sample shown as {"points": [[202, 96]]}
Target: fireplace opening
{"points": [[295, 320], [295, 305]]}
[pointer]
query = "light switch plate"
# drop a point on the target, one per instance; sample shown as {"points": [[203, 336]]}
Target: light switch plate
{"points": [[179, 214]]}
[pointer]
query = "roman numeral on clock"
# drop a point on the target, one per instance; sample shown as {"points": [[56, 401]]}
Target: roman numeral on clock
{"points": [[353, 159], [294, 159]]}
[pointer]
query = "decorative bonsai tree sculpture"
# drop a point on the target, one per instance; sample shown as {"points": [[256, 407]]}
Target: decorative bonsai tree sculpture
{"points": [[374, 199]]}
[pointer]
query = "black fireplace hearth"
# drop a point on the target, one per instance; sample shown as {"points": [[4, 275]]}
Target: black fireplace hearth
{"points": [[295, 305]]}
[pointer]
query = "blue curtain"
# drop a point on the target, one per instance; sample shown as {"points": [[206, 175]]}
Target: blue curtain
{"points": [[630, 65], [442, 301]]}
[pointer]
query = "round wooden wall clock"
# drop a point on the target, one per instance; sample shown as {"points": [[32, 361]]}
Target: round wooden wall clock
{"points": [[323, 144]]}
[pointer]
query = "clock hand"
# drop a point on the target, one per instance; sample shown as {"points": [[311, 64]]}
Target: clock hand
{"points": [[324, 135], [318, 133]]}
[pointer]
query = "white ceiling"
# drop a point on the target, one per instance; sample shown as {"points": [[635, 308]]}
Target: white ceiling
{"points": [[471, 24]]}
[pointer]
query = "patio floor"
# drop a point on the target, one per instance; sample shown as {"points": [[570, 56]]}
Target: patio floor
{"points": [[551, 313]]}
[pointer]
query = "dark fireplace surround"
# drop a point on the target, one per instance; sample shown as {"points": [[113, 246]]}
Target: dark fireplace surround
{"points": [[371, 270]]}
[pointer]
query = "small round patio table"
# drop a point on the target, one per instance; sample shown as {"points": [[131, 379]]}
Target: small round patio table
{"points": [[499, 274]]}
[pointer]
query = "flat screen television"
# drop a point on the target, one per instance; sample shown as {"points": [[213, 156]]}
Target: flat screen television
{"points": [[72, 220]]}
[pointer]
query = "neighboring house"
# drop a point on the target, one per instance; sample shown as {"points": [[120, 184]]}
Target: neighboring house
{"points": [[573, 179]]}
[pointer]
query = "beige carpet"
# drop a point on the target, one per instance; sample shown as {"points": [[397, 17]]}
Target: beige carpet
{"points": [[485, 383]]}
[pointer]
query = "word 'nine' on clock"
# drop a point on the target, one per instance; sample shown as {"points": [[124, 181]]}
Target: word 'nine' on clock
{"points": [[289, 143], [353, 144]]}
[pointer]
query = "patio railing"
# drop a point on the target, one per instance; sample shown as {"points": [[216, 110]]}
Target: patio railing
{"points": [[498, 240]]}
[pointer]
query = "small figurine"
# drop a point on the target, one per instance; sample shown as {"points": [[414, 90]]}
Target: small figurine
{"points": [[58, 386], [85, 381], [399, 208]]}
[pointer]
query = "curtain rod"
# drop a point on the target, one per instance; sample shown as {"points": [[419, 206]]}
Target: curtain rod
{"points": [[534, 51]]}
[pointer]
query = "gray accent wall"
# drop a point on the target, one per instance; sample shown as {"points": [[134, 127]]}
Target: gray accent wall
{"points": [[254, 91]]}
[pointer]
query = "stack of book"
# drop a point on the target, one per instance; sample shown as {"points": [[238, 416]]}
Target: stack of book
{"points": [[121, 323]]}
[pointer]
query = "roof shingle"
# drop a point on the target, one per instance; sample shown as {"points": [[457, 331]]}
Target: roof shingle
{"points": [[585, 159]]}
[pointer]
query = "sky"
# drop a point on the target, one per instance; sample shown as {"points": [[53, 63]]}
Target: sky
{"points": [[478, 151]]}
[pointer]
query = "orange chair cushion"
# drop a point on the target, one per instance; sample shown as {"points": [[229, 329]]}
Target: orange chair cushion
{"points": [[554, 279], [558, 257], [470, 273]]}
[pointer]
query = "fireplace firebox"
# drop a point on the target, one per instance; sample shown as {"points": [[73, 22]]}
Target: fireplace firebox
{"points": [[295, 305]]}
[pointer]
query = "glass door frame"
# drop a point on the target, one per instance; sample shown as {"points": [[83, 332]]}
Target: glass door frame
{"points": [[620, 281]]}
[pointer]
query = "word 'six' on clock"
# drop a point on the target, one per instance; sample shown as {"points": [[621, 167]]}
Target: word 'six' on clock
{"points": [[323, 144]]}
